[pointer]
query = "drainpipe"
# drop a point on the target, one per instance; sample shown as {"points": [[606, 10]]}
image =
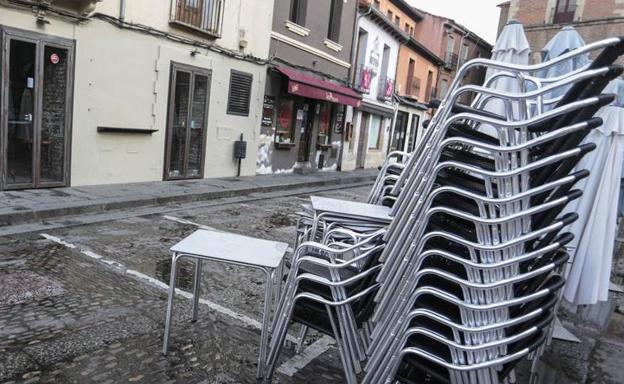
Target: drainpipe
{"points": [[122, 10]]}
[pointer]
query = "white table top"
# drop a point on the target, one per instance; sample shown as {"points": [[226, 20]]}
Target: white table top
{"points": [[230, 247], [351, 208]]}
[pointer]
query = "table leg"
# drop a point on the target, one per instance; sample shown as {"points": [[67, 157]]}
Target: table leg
{"points": [[266, 316], [196, 287], [172, 281]]}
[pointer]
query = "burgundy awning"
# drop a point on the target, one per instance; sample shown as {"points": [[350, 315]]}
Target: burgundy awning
{"points": [[314, 88]]}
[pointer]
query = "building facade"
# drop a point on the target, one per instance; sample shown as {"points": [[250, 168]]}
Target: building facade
{"points": [[542, 19], [454, 44], [417, 74], [307, 92], [129, 91], [378, 40]]}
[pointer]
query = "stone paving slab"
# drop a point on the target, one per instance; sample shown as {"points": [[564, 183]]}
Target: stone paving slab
{"points": [[33, 205]]}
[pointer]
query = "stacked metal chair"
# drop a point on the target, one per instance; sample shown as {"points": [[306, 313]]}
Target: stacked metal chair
{"points": [[472, 268], [465, 281]]}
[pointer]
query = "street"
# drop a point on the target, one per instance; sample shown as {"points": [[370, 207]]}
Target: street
{"points": [[95, 305], [93, 310]]}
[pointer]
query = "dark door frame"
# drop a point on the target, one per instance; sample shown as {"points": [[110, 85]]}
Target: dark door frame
{"points": [[41, 41], [193, 70]]}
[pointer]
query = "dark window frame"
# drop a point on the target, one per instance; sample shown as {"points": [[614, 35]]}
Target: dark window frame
{"points": [[231, 110], [565, 15], [335, 18], [292, 119], [42, 40], [298, 11], [174, 69]]}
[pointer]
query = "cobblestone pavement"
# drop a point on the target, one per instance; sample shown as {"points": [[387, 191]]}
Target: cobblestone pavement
{"points": [[90, 313]]}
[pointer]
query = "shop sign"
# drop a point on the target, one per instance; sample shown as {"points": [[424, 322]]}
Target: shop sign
{"points": [[339, 122], [267, 111]]}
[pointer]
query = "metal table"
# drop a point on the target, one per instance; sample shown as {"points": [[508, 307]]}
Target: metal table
{"points": [[229, 248]]}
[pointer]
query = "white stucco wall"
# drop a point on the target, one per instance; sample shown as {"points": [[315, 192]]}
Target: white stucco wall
{"points": [[377, 38], [122, 80]]}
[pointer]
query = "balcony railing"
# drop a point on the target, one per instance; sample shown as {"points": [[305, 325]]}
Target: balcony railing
{"points": [[413, 86], [450, 60], [363, 78], [201, 15], [385, 88]]}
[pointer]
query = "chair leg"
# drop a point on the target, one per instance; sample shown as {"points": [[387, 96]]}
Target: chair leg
{"points": [[196, 287], [266, 319], [342, 349], [301, 338], [172, 281]]}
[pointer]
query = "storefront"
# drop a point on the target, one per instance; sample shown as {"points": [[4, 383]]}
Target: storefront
{"points": [[302, 122], [407, 130]]}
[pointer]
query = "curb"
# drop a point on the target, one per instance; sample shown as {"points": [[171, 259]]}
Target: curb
{"points": [[98, 207]]}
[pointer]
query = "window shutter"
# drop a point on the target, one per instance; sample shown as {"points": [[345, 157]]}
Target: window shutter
{"points": [[240, 93]]}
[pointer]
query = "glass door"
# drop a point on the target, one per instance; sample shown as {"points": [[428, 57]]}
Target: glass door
{"points": [[36, 106], [188, 119]]}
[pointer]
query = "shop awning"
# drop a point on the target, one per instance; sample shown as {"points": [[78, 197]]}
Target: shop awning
{"points": [[315, 88]]}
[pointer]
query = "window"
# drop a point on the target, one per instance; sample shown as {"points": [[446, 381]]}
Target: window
{"points": [[240, 93], [564, 12], [429, 95], [397, 21], [335, 15], [443, 87], [407, 28], [203, 15], [464, 55], [324, 126], [374, 133], [450, 44], [284, 123], [390, 15], [377, 4], [298, 11]]}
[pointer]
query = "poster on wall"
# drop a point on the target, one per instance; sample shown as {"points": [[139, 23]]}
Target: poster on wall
{"points": [[339, 122], [267, 111]]}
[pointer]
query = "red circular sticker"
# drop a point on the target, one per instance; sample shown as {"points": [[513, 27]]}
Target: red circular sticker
{"points": [[54, 58]]}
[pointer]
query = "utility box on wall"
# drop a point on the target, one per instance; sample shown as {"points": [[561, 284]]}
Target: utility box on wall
{"points": [[240, 149]]}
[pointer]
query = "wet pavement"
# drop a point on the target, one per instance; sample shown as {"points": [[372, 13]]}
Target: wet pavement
{"points": [[86, 304]]}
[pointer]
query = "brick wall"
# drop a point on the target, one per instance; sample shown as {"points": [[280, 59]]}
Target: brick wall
{"points": [[593, 19]]}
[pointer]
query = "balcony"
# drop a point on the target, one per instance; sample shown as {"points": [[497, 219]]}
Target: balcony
{"points": [[412, 87], [450, 60], [363, 78], [385, 88], [205, 16]]}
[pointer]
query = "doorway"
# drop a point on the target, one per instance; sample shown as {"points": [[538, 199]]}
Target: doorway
{"points": [[36, 109], [400, 130], [360, 160], [303, 123], [187, 122]]}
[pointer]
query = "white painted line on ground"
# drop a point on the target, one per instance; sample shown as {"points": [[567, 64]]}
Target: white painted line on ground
{"points": [[616, 288], [248, 321], [297, 362], [188, 222], [57, 240], [561, 333]]}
